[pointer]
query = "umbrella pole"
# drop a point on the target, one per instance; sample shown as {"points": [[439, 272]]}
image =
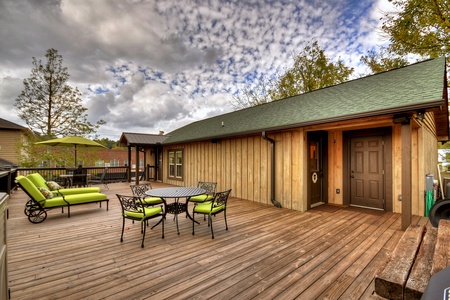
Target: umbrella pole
{"points": [[75, 155]]}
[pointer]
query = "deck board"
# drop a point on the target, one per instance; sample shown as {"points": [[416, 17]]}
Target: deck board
{"points": [[267, 253]]}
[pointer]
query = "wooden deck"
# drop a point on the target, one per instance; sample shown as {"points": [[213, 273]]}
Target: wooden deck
{"points": [[267, 253]]}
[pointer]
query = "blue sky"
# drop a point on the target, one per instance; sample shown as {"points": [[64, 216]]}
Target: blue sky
{"points": [[151, 66]]}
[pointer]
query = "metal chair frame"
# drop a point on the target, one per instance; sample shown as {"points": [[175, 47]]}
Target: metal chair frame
{"points": [[220, 199], [134, 204]]}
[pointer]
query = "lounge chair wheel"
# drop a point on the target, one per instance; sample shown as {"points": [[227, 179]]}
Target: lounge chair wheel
{"points": [[29, 207], [37, 216]]}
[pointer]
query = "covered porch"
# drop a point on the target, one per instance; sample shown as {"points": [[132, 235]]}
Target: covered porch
{"points": [[329, 252]]}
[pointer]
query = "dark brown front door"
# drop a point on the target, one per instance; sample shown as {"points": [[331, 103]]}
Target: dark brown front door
{"points": [[366, 172]]}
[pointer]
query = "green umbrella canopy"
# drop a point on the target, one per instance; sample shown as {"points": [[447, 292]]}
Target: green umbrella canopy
{"points": [[72, 141]]}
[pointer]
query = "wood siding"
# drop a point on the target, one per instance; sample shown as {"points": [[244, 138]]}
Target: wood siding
{"points": [[9, 140], [243, 164]]}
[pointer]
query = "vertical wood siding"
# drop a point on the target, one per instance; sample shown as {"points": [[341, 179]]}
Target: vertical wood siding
{"points": [[243, 164]]}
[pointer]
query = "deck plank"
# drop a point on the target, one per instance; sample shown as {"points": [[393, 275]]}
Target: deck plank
{"points": [[266, 253]]}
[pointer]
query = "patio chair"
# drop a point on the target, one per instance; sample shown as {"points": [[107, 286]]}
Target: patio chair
{"points": [[100, 179], [134, 209], [139, 191], [212, 208], [209, 187], [79, 178]]}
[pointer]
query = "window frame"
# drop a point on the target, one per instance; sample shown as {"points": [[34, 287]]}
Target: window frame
{"points": [[178, 169]]}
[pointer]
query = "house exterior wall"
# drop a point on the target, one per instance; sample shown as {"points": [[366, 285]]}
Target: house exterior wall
{"points": [[243, 163], [9, 141]]}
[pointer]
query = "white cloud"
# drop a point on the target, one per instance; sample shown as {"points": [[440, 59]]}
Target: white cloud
{"points": [[147, 66]]}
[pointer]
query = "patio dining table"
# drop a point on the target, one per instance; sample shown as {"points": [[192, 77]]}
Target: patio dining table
{"points": [[176, 193]]}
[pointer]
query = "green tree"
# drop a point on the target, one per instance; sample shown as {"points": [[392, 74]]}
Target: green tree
{"points": [[419, 26], [253, 97], [382, 61], [108, 143], [48, 105], [312, 70]]}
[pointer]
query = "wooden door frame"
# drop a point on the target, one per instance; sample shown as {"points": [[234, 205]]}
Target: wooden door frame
{"points": [[385, 132], [323, 135]]}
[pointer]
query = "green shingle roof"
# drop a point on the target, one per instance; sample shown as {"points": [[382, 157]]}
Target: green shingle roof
{"points": [[417, 86]]}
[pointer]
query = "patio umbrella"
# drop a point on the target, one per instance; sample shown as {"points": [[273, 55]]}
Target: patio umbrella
{"points": [[76, 141]]}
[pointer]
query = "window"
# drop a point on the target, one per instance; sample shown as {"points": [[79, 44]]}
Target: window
{"points": [[141, 163], [100, 163], [176, 164], [114, 163]]}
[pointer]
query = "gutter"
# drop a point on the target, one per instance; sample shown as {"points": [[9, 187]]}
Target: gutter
{"points": [[272, 170]]}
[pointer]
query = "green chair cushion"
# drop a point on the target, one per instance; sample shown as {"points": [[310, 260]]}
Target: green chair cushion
{"points": [[82, 190], [149, 212], [75, 199], [205, 208], [31, 189], [38, 180], [201, 198], [152, 200]]}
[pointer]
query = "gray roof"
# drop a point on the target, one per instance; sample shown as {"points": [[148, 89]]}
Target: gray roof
{"points": [[140, 139], [417, 86], [5, 124]]}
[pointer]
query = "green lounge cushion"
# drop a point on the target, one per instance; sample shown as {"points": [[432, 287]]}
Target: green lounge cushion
{"points": [[149, 211], [152, 200], [47, 194], [75, 199], [31, 189], [75, 191], [39, 181], [201, 198], [205, 208]]}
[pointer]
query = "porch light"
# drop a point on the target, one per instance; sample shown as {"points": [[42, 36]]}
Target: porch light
{"points": [[420, 115]]}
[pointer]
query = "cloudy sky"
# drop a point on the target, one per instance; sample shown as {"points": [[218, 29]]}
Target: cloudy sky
{"points": [[150, 66]]}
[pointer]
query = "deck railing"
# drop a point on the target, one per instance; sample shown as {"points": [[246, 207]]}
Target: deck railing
{"points": [[114, 174]]}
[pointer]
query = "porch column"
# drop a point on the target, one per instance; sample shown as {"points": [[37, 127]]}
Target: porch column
{"points": [[406, 176], [129, 165], [136, 173], [145, 177]]}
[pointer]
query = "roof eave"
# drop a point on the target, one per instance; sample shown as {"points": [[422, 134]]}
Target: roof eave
{"points": [[397, 110]]}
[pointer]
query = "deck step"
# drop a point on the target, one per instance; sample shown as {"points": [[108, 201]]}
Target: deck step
{"points": [[391, 282], [441, 257], [421, 271]]}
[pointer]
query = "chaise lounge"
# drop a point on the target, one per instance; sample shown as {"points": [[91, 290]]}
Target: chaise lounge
{"points": [[57, 190], [42, 200]]}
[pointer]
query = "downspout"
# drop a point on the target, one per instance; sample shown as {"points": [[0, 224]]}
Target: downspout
{"points": [[272, 170]]}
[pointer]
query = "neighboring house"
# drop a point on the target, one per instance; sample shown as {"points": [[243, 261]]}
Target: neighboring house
{"points": [[368, 142], [11, 135], [118, 158]]}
